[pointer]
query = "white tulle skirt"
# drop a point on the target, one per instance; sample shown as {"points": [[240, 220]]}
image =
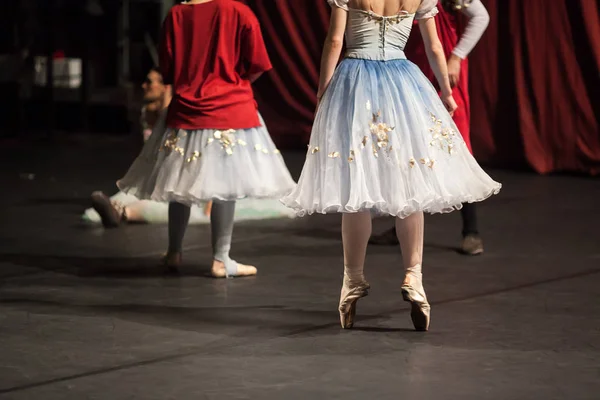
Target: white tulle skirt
{"points": [[192, 167], [383, 141]]}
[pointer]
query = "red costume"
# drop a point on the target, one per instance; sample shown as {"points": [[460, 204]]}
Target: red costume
{"points": [[208, 52]]}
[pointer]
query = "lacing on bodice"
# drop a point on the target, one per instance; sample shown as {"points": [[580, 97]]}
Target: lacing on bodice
{"points": [[375, 37]]}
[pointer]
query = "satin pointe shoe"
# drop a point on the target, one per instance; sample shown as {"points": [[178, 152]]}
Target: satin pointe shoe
{"points": [[413, 292], [349, 296]]}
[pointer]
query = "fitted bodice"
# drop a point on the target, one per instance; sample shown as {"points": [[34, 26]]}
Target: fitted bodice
{"points": [[375, 37]]}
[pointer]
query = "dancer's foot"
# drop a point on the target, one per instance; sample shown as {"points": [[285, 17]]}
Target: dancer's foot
{"points": [[349, 296], [233, 270], [472, 245], [111, 213], [387, 238], [172, 261], [414, 293]]}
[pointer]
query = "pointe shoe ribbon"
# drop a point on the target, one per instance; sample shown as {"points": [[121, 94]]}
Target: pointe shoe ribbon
{"points": [[232, 269], [350, 293]]}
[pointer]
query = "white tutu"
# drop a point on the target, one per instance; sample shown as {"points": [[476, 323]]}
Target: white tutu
{"points": [[191, 167], [383, 141]]}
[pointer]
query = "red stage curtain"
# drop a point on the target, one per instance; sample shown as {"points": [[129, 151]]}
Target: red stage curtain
{"points": [[535, 86], [294, 32], [535, 79]]}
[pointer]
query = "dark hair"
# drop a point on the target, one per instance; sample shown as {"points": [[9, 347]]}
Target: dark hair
{"points": [[155, 69]]}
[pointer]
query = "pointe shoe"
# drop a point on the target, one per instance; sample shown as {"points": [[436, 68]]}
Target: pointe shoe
{"points": [[111, 213], [172, 261], [231, 270], [413, 292], [349, 296], [472, 245]]}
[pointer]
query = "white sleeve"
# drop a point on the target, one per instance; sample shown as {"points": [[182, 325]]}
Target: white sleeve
{"points": [[427, 9], [476, 26], [343, 4]]}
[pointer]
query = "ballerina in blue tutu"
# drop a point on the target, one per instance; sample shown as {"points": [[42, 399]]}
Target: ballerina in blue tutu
{"points": [[383, 141]]}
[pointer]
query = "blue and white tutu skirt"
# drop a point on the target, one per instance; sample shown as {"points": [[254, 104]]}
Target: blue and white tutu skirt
{"points": [[383, 141], [194, 166]]}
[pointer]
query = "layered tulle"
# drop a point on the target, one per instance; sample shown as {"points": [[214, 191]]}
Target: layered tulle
{"points": [[195, 166], [382, 140]]}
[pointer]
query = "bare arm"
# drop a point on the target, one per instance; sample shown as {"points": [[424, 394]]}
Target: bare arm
{"points": [[437, 60], [332, 48]]}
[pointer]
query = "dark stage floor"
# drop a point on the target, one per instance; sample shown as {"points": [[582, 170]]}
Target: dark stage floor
{"points": [[85, 314]]}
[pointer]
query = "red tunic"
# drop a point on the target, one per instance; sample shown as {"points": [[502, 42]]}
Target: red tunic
{"points": [[448, 30], [208, 52]]}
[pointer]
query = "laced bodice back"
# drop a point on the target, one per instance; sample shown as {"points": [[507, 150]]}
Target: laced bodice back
{"points": [[375, 37]]}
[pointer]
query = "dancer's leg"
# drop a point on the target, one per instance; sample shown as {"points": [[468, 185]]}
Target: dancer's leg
{"points": [[410, 234], [472, 243], [410, 231], [221, 223], [179, 215], [136, 212], [469, 219], [356, 230]]}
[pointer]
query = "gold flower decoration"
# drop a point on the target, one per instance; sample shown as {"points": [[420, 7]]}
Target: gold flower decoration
{"points": [[380, 131], [171, 142], [441, 137], [194, 157]]}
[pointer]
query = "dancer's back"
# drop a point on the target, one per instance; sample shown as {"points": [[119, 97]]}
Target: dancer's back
{"points": [[209, 52], [383, 35], [386, 7]]}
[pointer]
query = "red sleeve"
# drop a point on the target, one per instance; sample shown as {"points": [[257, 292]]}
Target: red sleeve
{"points": [[254, 53], [166, 50]]}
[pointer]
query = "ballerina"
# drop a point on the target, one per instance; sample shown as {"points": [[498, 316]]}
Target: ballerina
{"points": [[384, 141], [216, 147]]}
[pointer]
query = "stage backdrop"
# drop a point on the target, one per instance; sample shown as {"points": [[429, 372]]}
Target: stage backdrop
{"points": [[535, 80]]}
